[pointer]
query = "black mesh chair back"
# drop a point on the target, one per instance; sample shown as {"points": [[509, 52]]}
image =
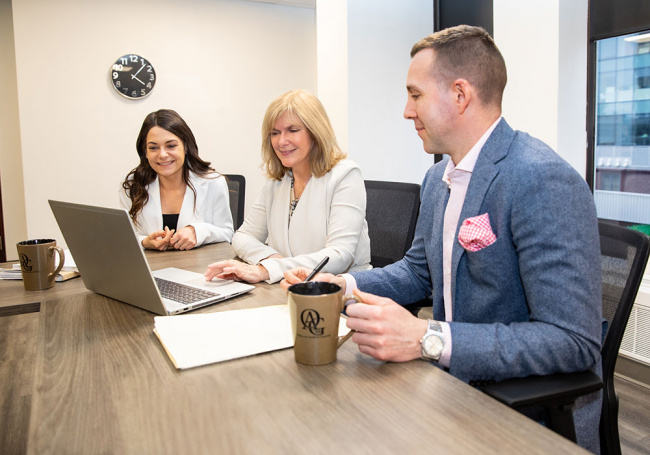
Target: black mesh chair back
{"points": [[391, 212], [237, 192], [624, 255]]}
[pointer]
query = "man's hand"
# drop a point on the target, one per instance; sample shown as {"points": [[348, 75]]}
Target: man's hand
{"points": [[184, 238], [299, 275], [384, 329], [238, 271], [158, 240]]}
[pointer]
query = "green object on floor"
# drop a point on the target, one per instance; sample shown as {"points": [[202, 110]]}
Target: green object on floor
{"points": [[645, 228]]}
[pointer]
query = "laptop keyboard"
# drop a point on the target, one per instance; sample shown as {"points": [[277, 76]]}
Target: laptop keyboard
{"points": [[182, 293]]}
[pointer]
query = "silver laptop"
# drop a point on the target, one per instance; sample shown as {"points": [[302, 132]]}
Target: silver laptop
{"points": [[107, 252]]}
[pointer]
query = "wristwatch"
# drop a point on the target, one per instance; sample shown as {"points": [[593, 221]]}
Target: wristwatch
{"points": [[433, 342]]}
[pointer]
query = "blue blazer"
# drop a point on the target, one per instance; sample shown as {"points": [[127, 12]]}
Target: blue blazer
{"points": [[530, 303]]}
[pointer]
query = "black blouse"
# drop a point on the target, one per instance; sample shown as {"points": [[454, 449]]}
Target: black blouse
{"points": [[171, 221]]}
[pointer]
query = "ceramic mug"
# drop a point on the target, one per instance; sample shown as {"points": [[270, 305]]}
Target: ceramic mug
{"points": [[315, 309], [37, 263]]}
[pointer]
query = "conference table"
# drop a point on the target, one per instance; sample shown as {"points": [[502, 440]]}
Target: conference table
{"points": [[101, 382]]}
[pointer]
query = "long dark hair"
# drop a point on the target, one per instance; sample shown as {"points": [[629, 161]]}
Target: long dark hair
{"points": [[137, 180]]}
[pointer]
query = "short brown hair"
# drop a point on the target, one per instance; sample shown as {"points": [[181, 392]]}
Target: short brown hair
{"points": [[302, 105], [470, 53]]}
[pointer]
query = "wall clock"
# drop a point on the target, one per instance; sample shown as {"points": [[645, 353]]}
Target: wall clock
{"points": [[133, 76]]}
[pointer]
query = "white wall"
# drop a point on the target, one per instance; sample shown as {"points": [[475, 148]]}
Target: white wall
{"points": [[381, 35], [332, 55], [363, 57], [544, 43], [572, 85], [219, 63], [11, 170], [527, 35]]}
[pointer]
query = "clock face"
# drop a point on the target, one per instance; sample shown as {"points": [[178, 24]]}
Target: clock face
{"points": [[133, 76]]}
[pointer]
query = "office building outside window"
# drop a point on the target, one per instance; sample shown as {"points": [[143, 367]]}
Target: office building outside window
{"points": [[622, 142]]}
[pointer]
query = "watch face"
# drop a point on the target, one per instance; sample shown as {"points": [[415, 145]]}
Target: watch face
{"points": [[433, 345], [133, 76]]}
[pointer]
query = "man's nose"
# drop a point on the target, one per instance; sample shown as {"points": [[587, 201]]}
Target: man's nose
{"points": [[409, 111]]}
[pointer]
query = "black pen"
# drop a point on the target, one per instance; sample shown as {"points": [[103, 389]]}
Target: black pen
{"points": [[318, 268]]}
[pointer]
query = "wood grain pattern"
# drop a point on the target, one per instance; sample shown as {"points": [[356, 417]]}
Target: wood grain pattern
{"points": [[18, 336], [103, 384], [12, 292], [100, 366], [633, 417], [20, 309]]}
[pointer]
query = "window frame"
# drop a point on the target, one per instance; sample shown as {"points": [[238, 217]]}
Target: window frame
{"points": [[607, 20]]}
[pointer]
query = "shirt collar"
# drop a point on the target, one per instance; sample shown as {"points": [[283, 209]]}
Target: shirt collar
{"points": [[469, 160]]}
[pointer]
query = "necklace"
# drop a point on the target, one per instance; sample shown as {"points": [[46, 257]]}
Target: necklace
{"points": [[293, 199]]}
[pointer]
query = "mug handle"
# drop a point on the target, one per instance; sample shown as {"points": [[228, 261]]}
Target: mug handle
{"points": [[346, 337], [61, 261]]}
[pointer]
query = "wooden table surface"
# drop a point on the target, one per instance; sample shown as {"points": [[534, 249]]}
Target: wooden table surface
{"points": [[102, 383]]}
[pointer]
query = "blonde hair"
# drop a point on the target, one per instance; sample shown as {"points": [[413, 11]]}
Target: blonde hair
{"points": [[302, 105]]}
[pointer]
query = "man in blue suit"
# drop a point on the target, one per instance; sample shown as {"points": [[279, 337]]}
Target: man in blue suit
{"points": [[506, 242]]}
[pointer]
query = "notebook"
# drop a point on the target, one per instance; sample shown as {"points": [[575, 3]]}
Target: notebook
{"points": [[108, 254]]}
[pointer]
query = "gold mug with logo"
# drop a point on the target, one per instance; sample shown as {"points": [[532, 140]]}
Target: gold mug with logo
{"points": [[315, 308], [37, 263]]}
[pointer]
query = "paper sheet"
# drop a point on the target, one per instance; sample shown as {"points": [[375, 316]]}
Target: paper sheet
{"points": [[193, 340]]}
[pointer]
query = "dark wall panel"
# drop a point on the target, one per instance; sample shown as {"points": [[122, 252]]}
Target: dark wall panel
{"points": [[448, 13], [609, 18]]}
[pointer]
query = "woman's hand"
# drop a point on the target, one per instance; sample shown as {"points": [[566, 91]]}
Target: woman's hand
{"points": [[299, 275], [158, 240], [238, 271], [184, 238]]}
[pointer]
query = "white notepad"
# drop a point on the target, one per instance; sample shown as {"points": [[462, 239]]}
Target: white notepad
{"points": [[200, 339]]}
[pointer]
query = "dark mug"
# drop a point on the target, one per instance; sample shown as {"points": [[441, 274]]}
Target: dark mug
{"points": [[37, 263]]}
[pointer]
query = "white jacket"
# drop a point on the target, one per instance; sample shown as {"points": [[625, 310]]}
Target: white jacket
{"points": [[329, 220], [211, 219]]}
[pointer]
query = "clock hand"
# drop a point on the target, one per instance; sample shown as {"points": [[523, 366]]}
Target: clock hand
{"points": [[133, 77], [136, 73]]}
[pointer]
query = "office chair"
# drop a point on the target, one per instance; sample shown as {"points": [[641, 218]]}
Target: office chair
{"points": [[624, 254], [391, 212], [237, 192]]}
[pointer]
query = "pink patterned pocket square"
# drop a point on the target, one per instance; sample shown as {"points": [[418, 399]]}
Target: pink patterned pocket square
{"points": [[475, 233]]}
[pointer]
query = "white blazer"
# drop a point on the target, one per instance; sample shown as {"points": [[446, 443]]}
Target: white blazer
{"points": [[329, 220], [211, 218]]}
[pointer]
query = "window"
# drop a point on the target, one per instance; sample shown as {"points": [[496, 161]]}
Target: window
{"points": [[621, 178]]}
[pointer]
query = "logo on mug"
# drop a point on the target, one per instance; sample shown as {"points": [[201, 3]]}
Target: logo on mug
{"points": [[24, 262], [310, 320]]}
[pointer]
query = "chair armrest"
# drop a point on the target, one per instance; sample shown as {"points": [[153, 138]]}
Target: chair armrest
{"points": [[555, 389]]}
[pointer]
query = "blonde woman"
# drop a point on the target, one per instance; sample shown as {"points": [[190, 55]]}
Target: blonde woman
{"points": [[314, 204]]}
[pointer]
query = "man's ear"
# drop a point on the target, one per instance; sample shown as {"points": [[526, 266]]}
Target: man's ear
{"points": [[463, 92]]}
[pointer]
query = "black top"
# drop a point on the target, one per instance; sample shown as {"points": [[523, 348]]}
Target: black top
{"points": [[171, 221]]}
